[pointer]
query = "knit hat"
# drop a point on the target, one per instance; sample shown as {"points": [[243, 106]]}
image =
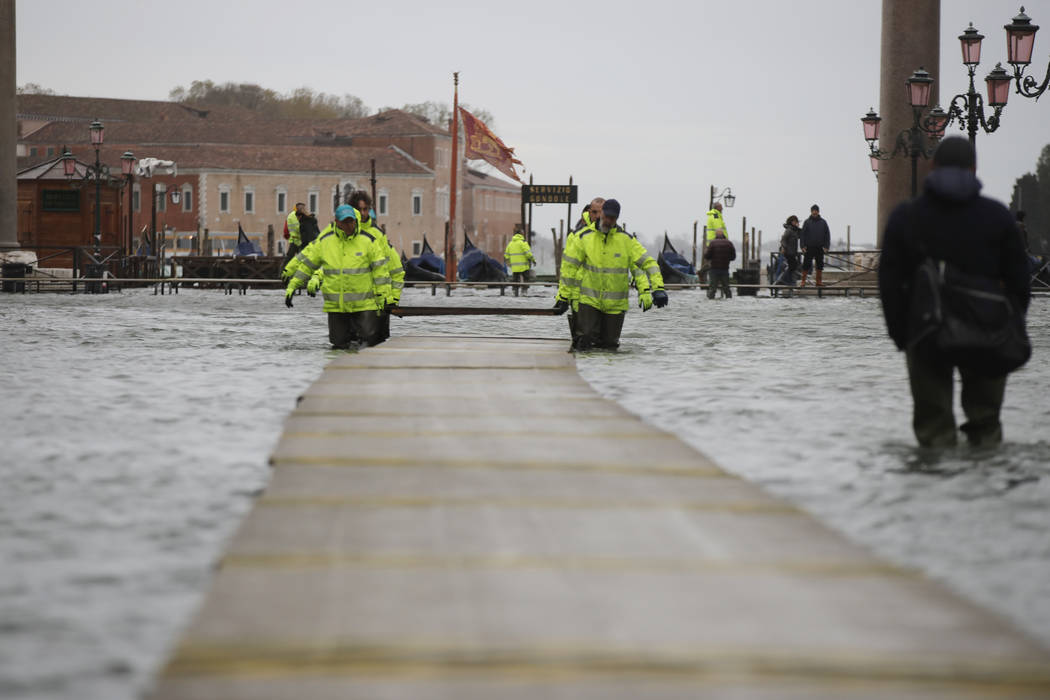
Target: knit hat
{"points": [[611, 208]]}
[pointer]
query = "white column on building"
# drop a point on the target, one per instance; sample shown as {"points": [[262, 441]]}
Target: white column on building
{"points": [[9, 127]]}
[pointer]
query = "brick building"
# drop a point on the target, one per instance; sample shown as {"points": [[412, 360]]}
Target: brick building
{"points": [[235, 168]]}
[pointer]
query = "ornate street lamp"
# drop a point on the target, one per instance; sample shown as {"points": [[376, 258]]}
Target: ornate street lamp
{"points": [[1020, 42], [912, 141], [968, 107], [725, 196]]}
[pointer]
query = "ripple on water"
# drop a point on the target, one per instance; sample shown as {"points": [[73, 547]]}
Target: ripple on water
{"points": [[136, 463]]}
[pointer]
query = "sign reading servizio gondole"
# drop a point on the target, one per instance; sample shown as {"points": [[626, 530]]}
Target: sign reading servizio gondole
{"points": [[548, 194]]}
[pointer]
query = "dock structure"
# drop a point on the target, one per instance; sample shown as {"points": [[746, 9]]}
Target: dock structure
{"points": [[467, 518]]}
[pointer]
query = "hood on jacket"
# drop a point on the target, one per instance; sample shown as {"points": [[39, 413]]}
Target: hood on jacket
{"points": [[953, 184], [517, 236]]}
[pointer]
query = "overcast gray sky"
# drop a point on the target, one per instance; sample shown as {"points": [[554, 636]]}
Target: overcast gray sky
{"points": [[647, 102]]}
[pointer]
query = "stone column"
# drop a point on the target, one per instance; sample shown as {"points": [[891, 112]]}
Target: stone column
{"points": [[8, 129], [910, 39]]}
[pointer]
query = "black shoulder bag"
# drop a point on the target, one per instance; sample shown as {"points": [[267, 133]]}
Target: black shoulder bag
{"points": [[965, 319]]}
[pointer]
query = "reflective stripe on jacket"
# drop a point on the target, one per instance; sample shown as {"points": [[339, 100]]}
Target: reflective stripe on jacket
{"points": [[293, 229], [353, 267], [596, 269], [518, 254]]}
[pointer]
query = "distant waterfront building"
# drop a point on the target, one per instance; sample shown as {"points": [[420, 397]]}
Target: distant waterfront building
{"points": [[236, 168]]}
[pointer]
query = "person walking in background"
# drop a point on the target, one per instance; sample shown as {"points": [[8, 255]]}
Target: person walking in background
{"points": [[293, 227], [719, 253], [815, 240], [789, 249], [715, 223], [595, 272], [954, 225], [518, 255]]}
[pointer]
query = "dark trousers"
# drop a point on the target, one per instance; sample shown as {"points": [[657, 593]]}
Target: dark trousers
{"points": [[718, 279], [293, 249], [345, 329], [595, 329], [792, 261], [813, 255], [383, 331], [520, 277], [931, 390], [572, 326]]}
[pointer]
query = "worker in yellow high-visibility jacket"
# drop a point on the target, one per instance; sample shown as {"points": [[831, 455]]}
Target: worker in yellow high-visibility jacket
{"points": [[354, 285], [518, 255], [595, 272]]}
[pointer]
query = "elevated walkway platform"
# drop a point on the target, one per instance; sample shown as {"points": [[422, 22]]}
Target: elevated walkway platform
{"points": [[465, 518]]}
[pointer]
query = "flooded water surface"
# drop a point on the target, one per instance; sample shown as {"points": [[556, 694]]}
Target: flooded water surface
{"points": [[136, 430]]}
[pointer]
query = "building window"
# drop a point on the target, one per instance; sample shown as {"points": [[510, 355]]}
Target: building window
{"points": [[417, 203], [224, 200], [312, 203], [162, 197], [32, 151], [187, 198], [282, 201], [249, 201], [381, 205], [417, 248], [50, 151], [136, 198]]}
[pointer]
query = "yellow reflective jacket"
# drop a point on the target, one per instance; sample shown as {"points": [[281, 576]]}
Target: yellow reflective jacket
{"points": [[518, 254], [354, 269], [293, 229], [395, 272], [596, 269], [714, 223], [568, 288]]}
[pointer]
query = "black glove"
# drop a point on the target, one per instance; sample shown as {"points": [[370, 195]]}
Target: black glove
{"points": [[311, 292], [288, 300], [389, 306], [560, 307], [660, 298]]}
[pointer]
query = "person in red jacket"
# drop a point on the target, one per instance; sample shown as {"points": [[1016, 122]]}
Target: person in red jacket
{"points": [[719, 253]]}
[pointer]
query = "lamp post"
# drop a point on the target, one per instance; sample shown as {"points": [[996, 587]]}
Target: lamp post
{"points": [[968, 107], [97, 131], [127, 167], [910, 141], [725, 195], [1020, 41]]}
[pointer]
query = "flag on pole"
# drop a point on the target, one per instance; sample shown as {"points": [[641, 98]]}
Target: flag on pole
{"points": [[482, 144]]}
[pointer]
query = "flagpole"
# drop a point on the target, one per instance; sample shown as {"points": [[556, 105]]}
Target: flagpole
{"points": [[450, 236]]}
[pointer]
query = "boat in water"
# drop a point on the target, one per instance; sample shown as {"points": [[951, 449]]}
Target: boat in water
{"points": [[425, 267], [475, 266], [674, 267]]}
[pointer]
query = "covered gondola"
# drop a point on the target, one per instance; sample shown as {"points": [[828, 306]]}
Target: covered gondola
{"points": [[475, 266], [674, 267], [415, 273], [425, 267]]}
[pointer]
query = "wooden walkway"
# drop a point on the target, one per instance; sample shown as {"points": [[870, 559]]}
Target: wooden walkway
{"points": [[465, 518]]}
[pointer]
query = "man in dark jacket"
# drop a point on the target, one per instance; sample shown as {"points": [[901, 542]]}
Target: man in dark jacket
{"points": [[720, 252], [815, 240], [950, 221]]}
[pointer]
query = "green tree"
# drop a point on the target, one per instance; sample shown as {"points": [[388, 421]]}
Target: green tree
{"points": [[301, 103], [1032, 196], [439, 113], [33, 89]]}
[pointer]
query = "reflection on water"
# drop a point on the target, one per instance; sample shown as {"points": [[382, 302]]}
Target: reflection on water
{"points": [[137, 427]]}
